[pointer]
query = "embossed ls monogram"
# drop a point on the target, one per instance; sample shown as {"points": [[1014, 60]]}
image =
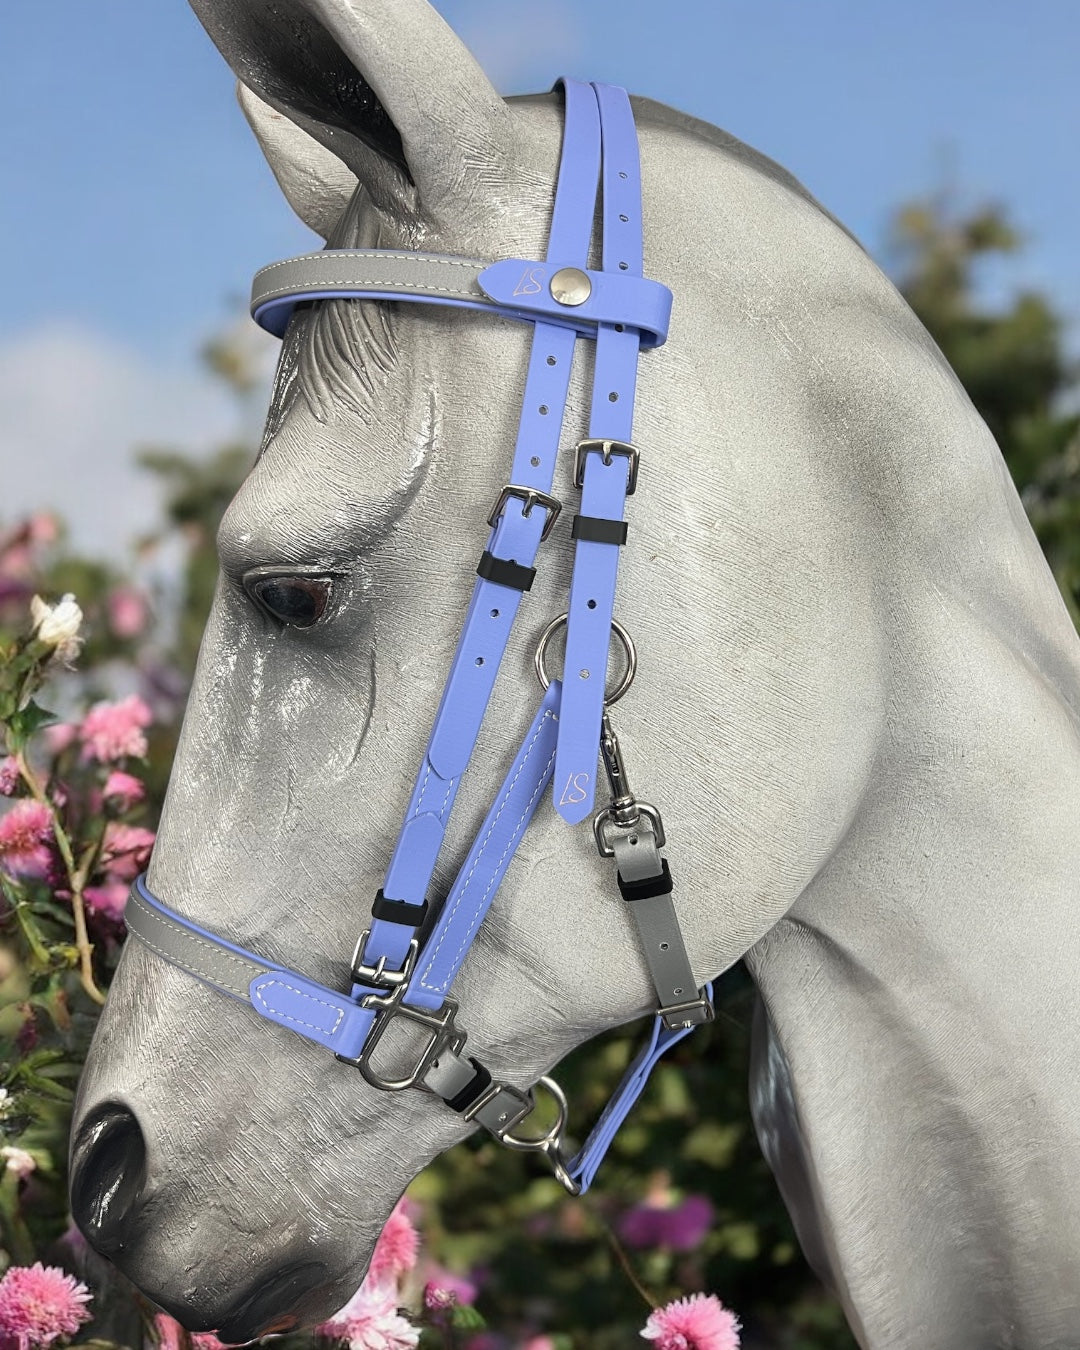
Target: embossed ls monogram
{"points": [[576, 789], [531, 283]]}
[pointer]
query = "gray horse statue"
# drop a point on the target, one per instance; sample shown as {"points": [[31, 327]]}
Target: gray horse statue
{"points": [[857, 700]]}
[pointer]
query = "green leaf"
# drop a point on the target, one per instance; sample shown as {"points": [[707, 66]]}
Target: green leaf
{"points": [[22, 725], [466, 1318]]}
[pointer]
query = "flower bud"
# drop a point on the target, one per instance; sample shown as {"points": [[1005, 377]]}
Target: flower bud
{"points": [[58, 625]]}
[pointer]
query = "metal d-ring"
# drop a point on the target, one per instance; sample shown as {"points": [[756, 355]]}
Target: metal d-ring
{"points": [[630, 651], [550, 1144]]}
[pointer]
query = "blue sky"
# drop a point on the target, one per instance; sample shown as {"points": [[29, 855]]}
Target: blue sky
{"points": [[136, 205]]}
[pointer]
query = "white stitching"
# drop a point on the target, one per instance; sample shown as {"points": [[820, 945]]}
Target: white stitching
{"points": [[300, 287], [311, 1026], [431, 259], [178, 930], [434, 989], [189, 966]]}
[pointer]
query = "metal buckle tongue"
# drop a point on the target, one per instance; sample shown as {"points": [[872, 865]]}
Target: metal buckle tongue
{"points": [[438, 1023], [502, 1109]]}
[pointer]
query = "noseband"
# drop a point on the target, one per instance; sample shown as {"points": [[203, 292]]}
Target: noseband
{"points": [[405, 962]]}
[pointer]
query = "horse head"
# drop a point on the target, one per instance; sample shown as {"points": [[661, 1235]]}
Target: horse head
{"points": [[240, 1175]]}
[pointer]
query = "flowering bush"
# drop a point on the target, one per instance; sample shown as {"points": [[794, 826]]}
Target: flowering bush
{"points": [[89, 709]]}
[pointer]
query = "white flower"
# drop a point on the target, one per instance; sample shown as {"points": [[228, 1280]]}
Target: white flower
{"points": [[5, 1102], [58, 625], [17, 1160]]}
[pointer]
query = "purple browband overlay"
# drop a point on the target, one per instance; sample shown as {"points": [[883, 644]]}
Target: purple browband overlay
{"points": [[623, 312]]}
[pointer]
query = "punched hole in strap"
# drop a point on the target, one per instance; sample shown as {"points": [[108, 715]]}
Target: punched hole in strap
{"points": [[599, 529]]}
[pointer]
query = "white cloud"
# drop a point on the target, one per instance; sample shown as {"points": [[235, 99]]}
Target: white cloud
{"points": [[74, 408]]}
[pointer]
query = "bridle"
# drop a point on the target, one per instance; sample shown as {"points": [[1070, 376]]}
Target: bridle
{"points": [[405, 962]]}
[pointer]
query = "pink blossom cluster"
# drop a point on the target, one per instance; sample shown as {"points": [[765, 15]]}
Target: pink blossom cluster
{"points": [[371, 1320], [700, 1322], [38, 1304], [26, 837], [113, 731]]}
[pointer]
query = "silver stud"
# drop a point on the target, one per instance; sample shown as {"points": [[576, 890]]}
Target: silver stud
{"points": [[570, 286]]}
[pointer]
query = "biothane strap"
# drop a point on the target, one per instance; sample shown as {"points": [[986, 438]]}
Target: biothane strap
{"points": [[517, 532], [606, 471], [513, 288], [613, 307]]}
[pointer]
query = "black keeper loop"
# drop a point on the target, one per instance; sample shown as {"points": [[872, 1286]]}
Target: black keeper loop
{"points": [[399, 911], [599, 529], [471, 1091], [647, 887], [505, 572]]}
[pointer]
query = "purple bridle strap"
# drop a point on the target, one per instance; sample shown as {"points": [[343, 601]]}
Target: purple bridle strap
{"points": [[392, 974]]}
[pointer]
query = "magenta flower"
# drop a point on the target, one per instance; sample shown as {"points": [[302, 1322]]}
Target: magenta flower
{"points": [[370, 1321], [206, 1340], [9, 776], [126, 850], [128, 611], [678, 1227], [107, 901], [112, 731], [26, 831], [700, 1322], [170, 1334], [444, 1289], [396, 1250], [124, 789], [39, 1303]]}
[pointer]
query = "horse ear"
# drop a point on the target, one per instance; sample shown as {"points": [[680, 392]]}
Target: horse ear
{"points": [[384, 85], [317, 185]]}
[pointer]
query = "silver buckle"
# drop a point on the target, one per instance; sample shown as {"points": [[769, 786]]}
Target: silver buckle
{"points": [[684, 1016], [607, 449], [439, 1023], [377, 974], [531, 497]]}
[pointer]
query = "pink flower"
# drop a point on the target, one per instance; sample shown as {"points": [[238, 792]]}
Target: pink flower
{"points": [[9, 776], [111, 731], [125, 789], [539, 1343], [128, 611], [25, 834], [170, 1334], [677, 1227], [107, 901], [206, 1340], [397, 1248], [444, 1289], [39, 1303], [59, 736], [700, 1322], [370, 1321], [126, 850]]}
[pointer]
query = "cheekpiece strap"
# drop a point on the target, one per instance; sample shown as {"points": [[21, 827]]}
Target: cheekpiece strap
{"points": [[404, 965]]}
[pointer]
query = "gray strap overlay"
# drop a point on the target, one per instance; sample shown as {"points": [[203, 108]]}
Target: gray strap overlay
{"points": [[208, 961], [657, 924], [347, 271]]}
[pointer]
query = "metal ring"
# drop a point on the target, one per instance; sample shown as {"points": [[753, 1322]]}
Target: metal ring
{"points": [[620, 632], [553, 1134]]}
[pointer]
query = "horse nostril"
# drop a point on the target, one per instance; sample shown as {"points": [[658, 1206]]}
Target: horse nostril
{"points": [[107, 1176]]}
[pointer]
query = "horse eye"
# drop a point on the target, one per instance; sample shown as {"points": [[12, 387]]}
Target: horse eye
{"points": [[298, 601]]}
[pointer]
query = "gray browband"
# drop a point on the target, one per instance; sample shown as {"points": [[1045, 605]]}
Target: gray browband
{"points": [[341, 270]]}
